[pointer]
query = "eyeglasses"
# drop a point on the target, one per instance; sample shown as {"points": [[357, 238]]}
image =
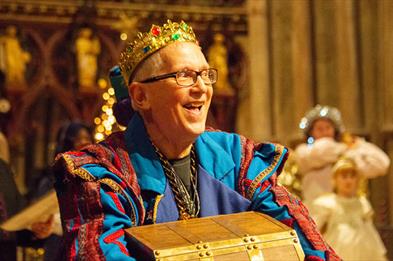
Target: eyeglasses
{"points": [[186, 78]]}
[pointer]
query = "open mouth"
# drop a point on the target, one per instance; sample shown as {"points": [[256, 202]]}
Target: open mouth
{"points": [[194, 107]]}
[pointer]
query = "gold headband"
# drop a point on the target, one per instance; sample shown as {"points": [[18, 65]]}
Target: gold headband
{"points": [[343, 163], [149, 42]]}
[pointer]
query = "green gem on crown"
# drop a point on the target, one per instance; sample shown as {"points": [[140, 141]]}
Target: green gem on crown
{"points": [[175, 36], [184, 26]]}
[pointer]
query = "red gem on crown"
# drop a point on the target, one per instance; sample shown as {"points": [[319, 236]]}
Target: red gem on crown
{"points": [[155, 30]]}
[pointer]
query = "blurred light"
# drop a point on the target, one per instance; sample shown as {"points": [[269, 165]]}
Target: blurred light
{"points": [[111, 91], [111, 101], [324, 112], [99, 136], [303, 123], [104, 108], [123, 36], [111, 119], [310, 140], [100, 128], [105, 96], [97, 120], [102, 83]]}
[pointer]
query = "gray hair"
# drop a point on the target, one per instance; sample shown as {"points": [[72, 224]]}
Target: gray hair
{"points": [[149, 67]]}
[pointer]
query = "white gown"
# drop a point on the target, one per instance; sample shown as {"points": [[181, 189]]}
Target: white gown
{"points": [[316, 161], [347, 226]]}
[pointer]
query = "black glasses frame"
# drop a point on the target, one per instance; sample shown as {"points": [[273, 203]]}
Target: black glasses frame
{"points": [[175, 75]]}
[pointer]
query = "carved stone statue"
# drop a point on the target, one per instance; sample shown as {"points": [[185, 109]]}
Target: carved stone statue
{"points": [[87, 49], [217, 56], [13, 58]]}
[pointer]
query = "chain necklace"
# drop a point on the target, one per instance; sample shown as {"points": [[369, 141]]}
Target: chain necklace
{"points": [[188, 205]]}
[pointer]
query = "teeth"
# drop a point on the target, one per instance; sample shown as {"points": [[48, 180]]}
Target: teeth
{"points": [[197, 104], [193, 106]]}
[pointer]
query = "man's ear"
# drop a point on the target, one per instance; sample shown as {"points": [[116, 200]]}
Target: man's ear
{"points": [[138, 96]]}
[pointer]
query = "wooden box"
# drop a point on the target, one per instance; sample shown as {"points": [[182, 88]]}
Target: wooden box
{"points": [[241, 236]]}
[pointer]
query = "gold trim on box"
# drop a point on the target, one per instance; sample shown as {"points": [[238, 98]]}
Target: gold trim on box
{"points": [[253, 245]]}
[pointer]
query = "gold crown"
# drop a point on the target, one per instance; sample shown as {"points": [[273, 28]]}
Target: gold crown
{"points": [[149, 42]]}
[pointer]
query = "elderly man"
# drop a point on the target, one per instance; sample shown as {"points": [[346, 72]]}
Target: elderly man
{"points": [[167, 166]]}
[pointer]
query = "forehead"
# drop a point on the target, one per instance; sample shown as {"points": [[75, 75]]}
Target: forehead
{"points": [[323, 122], [183, 55]]}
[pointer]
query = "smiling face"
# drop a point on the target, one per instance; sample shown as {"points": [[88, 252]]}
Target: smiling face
{"points": [[178, 113]]}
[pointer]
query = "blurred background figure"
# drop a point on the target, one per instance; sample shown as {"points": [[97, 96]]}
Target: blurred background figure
{"points": [[326, 142], [345, 217], [73, 136], [11, 201]]}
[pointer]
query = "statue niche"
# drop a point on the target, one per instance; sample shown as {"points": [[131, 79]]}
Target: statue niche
{"points": [[87, 49], [218, 58], [13, 58]]}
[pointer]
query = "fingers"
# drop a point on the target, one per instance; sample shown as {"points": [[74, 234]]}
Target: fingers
{"points": [[43, 229]]}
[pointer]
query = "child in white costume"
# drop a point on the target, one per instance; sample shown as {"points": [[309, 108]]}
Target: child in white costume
{"points": [[323, 128], [345, 219]]}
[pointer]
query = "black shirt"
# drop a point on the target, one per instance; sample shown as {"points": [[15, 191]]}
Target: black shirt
{"points": [[183, 170]]}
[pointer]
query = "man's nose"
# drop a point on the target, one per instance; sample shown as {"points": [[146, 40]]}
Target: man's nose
{"points": [[200, 84]]}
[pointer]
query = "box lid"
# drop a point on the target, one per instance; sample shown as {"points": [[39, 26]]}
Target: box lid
{"points": [[223, 233]]}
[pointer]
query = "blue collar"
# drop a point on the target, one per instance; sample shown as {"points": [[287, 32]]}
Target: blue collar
{"points": [[144, 159], [211, 156]]}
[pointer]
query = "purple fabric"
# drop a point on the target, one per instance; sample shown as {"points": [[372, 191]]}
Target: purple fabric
{"points": [[167, 209], [123, 111], [216, 199]]}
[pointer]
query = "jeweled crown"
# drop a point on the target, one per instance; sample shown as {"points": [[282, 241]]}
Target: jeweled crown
{"points": [[147, 43]]}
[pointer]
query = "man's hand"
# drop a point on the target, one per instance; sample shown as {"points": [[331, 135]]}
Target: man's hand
{"points": [[43, 230]]}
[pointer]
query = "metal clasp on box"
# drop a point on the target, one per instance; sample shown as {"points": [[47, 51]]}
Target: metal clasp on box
{"points": [[204, 251], [253, 250]]}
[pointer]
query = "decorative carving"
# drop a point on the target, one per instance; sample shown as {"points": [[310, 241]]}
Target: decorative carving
{"points": [[127, 26]]}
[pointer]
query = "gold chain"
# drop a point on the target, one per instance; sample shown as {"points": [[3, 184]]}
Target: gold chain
{"points": [[188, 205]]}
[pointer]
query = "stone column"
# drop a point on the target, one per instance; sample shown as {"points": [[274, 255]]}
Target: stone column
{"points": [[386, 63], [347, 66], [385, 84], [257, 106], [303, 94]]}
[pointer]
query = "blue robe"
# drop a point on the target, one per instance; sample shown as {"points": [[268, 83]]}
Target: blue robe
{"points": [[120, 183]]}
